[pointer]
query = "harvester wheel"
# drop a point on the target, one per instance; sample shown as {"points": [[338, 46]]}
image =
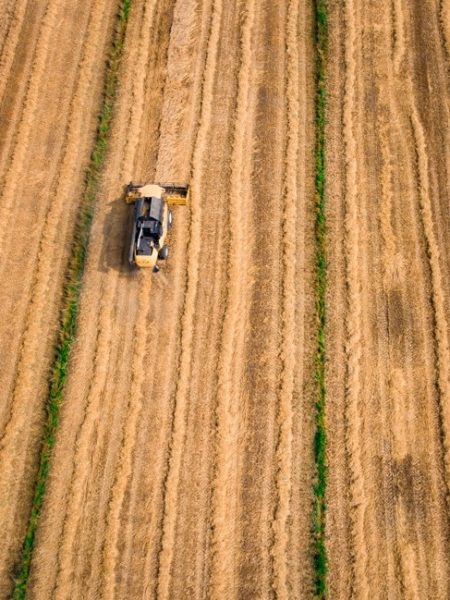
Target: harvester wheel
{"points": [[163, 253]]}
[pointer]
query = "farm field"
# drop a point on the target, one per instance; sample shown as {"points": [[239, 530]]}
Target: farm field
{"points": [[388, 300], [185, 464], [50, 91]]}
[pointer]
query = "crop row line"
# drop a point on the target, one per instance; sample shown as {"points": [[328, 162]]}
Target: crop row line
{"points": [[320, 438]]}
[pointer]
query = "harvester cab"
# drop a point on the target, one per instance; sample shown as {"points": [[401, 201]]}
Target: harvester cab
{"points": [[152, 220]]}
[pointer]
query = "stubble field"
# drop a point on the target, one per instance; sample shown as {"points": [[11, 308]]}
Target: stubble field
{"points": [[184, 463]]}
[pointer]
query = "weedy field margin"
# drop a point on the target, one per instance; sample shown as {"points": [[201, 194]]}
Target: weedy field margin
{"points": [[320, 438]]}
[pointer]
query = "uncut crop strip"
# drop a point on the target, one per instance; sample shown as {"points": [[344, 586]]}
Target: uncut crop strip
{"points": [[320, 556], [72, 295]]}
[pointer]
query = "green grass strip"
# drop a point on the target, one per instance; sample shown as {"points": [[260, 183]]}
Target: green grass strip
{"points": [[320, 439], [72, 293]]}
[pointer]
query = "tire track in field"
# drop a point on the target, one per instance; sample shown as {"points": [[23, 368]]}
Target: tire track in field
{"points": [[353, 346], [92, 424], [288, 309], [224, 496], [193, 251], [261, 373]]}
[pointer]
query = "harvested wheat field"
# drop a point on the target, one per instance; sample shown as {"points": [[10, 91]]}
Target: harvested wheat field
{"points": [[180, 441], [50, 89], [388, 300]]}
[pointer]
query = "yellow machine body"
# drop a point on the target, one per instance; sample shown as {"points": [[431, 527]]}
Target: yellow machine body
{"points": [[152, 220]]}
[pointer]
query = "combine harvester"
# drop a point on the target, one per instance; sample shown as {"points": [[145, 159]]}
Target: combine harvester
{"points": [[152, 220]]}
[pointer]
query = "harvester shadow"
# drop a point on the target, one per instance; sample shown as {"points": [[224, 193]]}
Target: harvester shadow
{"points": [[116, 236]]}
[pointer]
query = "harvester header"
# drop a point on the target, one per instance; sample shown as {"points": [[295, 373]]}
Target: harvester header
{"points": [[172, 193]]}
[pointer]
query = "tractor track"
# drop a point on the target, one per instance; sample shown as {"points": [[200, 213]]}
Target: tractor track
{"points": [[261, 373]]}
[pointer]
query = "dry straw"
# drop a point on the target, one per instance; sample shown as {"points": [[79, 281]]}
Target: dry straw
{"points": [[72, 290]]}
